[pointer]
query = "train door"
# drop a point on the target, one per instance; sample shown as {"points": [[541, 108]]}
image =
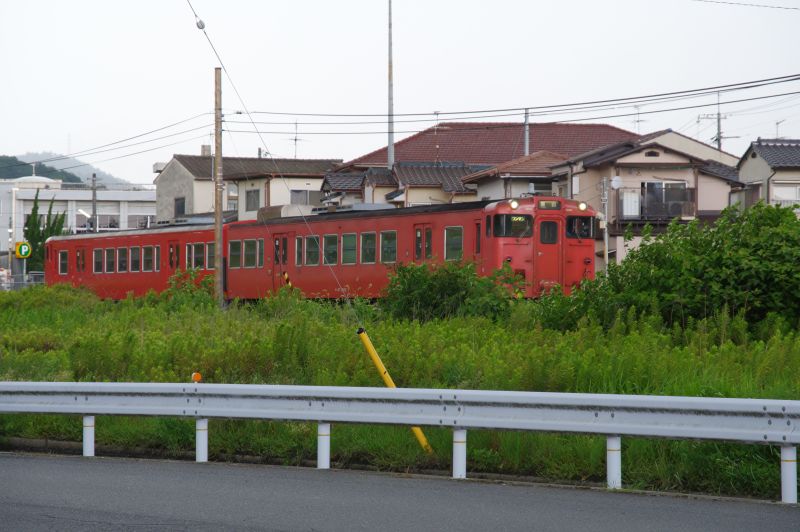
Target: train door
{"points": [[547, 254], [280, 260], [423, 242], [80, 263], [173, 257]]}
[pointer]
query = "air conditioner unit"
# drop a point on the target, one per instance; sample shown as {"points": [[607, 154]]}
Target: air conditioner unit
{"points": [[675, 208]]}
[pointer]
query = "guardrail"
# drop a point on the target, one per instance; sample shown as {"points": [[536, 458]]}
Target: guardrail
{"points": [[770, 422]]}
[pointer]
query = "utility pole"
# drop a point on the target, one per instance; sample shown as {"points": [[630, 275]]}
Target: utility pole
{"points": [[604, 201], [526, 150], [218, 187], [718, 116], [390, 149], [95, 221]]}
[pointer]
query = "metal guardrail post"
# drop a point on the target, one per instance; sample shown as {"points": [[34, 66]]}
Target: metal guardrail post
{"points": [[324, 446], [201, 440], [88, 435], [614, 462], [459, 453], [789, 474]]}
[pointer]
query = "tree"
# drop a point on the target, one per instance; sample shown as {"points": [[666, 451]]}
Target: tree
{"points": [[36, 234]]}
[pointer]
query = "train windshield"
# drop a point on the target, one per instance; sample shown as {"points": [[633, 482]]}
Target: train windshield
{"points": [[580, 227], [513, 225]]}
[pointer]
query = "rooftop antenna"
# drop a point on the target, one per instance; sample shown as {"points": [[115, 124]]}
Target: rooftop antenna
{"points": [[295, 139], [435, 132], [638, 120], [777, 125], [390, 117], [33, 165]]}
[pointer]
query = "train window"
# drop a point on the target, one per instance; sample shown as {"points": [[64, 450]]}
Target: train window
{"points": [[122, 260], [235, 254], [298, 251], [312, 250], [580, 226], [488, 226], [513, 225], [367, 248], [157, 261], [63, 262], [548, 232], [78, 260], [277, 251], [210, 257], [477, 238], [147, 259], [260, 253], [330, 249], [453, 243], [110, 260], [349, 248], [250, 253], [388, 246], [418, 244], [428, 242], [135, 255], [199, 256], [98, 261]]}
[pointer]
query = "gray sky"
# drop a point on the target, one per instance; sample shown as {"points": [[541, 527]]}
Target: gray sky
{"points": [[85, 73]]}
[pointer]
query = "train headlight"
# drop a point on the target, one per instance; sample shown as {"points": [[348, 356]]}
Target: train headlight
{"points": [[582, 206], [514, 204]]}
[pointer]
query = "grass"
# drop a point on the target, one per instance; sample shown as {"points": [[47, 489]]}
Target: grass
{"points": [[60, 334]]}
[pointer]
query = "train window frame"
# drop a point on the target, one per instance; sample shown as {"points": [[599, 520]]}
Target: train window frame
{"points": [[157, 258], [77, 260], [249, 253], [298, 251], [548, 233], [110, 254], [201, 248], [135, 252], [326, 248], [98, 257], [478, 238], [237, 263], [387, 245], [309, 249], [146, 259], [499, 229], [374, 248], [448, 230], [210, 252], [488, 226], [428, 243], [346, 250], [578, 235], [122, 262], [260, 253], [63, 262]]}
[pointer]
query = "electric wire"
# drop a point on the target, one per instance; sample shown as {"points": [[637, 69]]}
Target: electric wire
{"points": [[744, 4]]}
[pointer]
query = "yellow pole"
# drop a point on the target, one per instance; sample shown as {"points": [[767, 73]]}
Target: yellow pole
{"points": [[387, 380]]}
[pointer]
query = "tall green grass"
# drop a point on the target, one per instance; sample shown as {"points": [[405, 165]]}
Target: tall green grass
{"points": [[61, 334]]}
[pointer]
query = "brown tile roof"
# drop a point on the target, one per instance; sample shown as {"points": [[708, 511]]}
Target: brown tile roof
{"points": [[246, 167], [535, 164], [495, 142]]}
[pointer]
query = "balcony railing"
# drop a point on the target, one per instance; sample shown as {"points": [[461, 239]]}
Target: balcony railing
{"points": [[785, 203], [661, 204]]}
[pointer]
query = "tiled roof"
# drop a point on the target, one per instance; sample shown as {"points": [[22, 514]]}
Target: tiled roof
{"points": [[495, 142], [442, 174], [779, 153], [728, 173], [535, 164], [380, 177], [244, 167], [350, 182]]}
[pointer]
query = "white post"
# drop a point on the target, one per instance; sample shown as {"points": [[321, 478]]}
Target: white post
{"points": [[614, 462], [789, 474], [88, 435], [459, 453], [201, 440], [324, 446]]}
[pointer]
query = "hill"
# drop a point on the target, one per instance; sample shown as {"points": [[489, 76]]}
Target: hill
{"points": [[79, 168], [12, 167]]}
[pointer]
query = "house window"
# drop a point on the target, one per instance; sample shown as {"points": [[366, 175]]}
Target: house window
{"points": [[235, 253], [388, 246], [349, 248], [312, 250], [63, 262], [305, 197], [453, 243], [367, 248], [786, 194], [180, 207], [652, 153], [540, 189], [252, 199]]}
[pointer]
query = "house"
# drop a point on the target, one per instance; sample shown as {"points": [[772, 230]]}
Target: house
{"points": [[184, 185], [529, 174], [770, 169], [649, 181]]}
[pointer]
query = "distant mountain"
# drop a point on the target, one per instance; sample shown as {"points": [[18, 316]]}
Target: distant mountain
{"points": [[12, 167], [79, 168]]}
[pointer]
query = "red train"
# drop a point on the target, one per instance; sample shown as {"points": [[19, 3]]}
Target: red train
{"points": [[548, 241]]}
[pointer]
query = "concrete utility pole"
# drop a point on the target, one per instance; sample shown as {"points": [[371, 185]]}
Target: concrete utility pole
{"points": [[718, 116], [218, 187], [604, 201], [95, 221], [390, 149]]}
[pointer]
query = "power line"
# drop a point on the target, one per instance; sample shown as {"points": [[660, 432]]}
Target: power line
{"points": [[743, 4]]}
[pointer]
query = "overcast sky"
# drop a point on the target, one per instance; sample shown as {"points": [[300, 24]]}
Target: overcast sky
{"points": [[86, 73]]}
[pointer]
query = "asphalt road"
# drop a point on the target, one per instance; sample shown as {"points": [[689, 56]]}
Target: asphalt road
{"points": [[46, 492]]}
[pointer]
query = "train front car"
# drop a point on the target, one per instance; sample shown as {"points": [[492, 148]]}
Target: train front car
{"points": [[547, 241]]}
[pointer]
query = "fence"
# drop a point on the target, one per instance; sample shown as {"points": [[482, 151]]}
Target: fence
{"points": [[751, 421]]}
